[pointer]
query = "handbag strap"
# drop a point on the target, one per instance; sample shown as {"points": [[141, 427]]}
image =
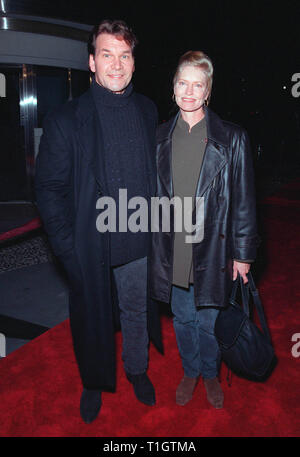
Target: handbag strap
{"points": [[233, 291], [245, 294], [259, 306], [245, 288]]}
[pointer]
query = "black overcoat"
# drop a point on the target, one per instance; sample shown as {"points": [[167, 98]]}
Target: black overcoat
{"points": [[69, 179], [226, 182]]}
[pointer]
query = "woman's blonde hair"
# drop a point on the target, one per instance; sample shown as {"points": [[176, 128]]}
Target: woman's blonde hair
{"points": [[200, 60]]}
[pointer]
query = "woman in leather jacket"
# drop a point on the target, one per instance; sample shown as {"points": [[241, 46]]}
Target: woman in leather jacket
{"points": [[200, 155]]}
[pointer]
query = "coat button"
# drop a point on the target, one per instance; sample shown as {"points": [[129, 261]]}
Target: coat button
{"points": [[222, 235], [223, 269]]}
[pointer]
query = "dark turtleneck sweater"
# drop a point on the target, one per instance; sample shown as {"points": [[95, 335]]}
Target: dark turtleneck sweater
{"points": [[124, 143]]}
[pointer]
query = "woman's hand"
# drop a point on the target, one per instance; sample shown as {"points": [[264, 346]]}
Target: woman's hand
{"points": [[241, 268]]}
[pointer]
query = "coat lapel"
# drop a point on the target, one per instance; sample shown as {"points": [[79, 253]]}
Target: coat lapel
{"points": [[215, 156], [164, 154], [90, 138], [150, 146], [213, 161]]}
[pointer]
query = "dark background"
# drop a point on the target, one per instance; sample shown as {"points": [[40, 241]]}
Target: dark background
{"points": [[255, 48]]}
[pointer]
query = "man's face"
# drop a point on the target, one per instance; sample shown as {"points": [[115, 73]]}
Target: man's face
{"points": [[113, 63]]}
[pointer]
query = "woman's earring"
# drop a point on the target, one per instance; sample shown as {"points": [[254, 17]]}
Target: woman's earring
{"points": [[206, 102]]}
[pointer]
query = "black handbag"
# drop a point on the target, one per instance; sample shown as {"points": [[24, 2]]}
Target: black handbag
{"points": [[246, 350]]}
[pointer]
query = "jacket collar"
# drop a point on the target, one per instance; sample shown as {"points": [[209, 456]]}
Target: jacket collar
{"points": [[216, 131], [215, 156]]}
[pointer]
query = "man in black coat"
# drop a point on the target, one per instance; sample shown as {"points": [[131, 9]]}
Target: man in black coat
{"points": [[91, 148]]}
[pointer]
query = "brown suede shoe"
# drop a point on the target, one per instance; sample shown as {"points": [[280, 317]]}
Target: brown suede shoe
{"points": [[185, 389], [214, 392]]}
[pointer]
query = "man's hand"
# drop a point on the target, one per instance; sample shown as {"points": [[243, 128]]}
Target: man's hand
{"points": [[242, 269]]}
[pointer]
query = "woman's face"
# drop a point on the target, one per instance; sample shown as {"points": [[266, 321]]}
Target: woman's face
{"points": [[191, 89]]}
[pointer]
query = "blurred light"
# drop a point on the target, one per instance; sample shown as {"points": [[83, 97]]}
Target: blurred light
{"points": [[284, 87], [28, 101], [5, 26], [3, 6], [24, 71]]}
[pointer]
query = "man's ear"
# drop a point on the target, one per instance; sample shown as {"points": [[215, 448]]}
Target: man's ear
{"points": [[92, 63]]}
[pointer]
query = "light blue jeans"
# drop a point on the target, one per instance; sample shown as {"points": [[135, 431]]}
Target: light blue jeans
{"points": [[194, 329]]}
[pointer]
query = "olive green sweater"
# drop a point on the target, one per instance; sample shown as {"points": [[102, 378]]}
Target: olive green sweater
{"points": [[187, 155]]}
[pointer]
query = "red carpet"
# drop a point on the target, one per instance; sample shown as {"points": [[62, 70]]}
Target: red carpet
{"points": [[34, 224], [40, 387]]}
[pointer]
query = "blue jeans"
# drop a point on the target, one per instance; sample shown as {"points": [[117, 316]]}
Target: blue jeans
{"points": [[131, 282], [195, 337]]}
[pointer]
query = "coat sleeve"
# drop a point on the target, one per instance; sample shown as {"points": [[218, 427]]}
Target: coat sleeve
{"points": [[54, 188], [244, 229]]}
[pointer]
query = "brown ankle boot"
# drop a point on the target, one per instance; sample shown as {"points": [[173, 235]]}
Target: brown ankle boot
{"points": [[185, 389], [214, 392]]}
